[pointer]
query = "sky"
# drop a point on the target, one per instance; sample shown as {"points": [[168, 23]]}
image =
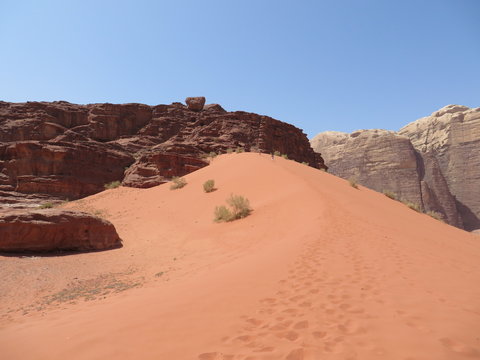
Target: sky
{"points": [[320, 65]]}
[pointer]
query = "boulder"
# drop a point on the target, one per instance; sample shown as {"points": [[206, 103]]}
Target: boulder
{"points": [[47, 230], [195, 103]]}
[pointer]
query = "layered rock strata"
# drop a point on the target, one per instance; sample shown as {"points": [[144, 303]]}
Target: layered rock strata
{"points": [[433, 162], [47, 230], [64, 150]]}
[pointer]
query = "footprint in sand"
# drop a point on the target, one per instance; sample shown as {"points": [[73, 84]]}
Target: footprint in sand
{"points": [[459, 347]]}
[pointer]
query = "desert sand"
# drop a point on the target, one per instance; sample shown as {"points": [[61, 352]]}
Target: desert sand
{"points": [[319, 270]]}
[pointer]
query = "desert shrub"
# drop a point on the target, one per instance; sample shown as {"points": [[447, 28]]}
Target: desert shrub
{"points": [[353, 183], [209, 186], [304, 163], [47, 205], [240, 208], [435, 215], [277, 153], [222, 214], [229, 151], [112, 185], [239, 150], [178, 183], [412, 205], [390, 194], [212, 154], [285, 156]]}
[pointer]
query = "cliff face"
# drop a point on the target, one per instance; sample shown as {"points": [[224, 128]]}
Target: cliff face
{"points": [[433, 162], [452, 136], [66, 150]]}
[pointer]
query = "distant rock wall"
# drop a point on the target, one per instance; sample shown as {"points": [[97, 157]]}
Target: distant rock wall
{"points": [[65, 150], [433, 162]]}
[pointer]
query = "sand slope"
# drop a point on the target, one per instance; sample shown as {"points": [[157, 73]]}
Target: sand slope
{"points": [[320, 270]]}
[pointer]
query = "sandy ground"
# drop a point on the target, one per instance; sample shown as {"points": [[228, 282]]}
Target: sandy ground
{"points": [[320, 270]]}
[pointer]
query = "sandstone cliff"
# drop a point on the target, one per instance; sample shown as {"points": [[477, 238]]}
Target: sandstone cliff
{"points": [[433, 162], [65, 150]]}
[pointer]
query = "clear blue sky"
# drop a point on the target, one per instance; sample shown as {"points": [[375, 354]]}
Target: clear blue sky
{"points": [[320, 65]]}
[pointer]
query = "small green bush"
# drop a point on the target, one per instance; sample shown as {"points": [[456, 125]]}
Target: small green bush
{"points": [[390, 194], [304, 163], [239, 150], [112, 185], [277, 153], [222, 214], [240, 209], [353, 183], [178, 183], [47, 205], [229, 151], [212, 154], [209, 186], [285, 156]]}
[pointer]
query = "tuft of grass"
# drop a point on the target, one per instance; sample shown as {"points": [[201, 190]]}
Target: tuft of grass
{"points": [[239, 150], [435, 215], [178, 183], [285, 156], [353, 183], [240, 208], [390, 194], [112, 185], [277, 153], [412, 205], [209, 186], [212, 154], [47, 205], [304, 163], [229, 151]]}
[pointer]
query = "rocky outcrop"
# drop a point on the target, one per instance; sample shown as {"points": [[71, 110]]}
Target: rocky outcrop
{"points": [[433, 162], [48, 230], [64, 150], [452, 136], [195, 103]]}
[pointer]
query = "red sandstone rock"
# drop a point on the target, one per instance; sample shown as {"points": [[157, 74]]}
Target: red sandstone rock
{"points": [[195, 103], [52, 229], [71, 151]]}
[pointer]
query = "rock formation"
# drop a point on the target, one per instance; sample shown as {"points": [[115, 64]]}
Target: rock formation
{"points": [[63, 150], [433, 162], [46, 230]]}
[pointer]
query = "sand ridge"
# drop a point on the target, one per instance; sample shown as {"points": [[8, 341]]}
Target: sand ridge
{"points": [[320, 270]]}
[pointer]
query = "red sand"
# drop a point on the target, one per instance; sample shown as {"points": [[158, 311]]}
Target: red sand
{"points": [[320, 270]]}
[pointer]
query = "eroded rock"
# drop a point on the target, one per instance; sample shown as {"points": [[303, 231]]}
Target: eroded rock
{"points": [[47, 230]]}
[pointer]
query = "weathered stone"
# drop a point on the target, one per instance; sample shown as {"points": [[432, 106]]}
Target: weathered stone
{"points": [[70, 151], [433, 162], [47, 230], [452, 136], [195, 103]]}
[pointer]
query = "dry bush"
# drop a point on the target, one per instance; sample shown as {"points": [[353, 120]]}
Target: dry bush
{"points": [[112, 185], [353, 183], [209, 186], [435, 215], [222, 214], [390, 194], [178, 183], [412, 206], [240, 208]]}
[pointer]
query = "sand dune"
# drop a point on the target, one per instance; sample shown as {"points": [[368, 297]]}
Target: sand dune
{"points": [[320, 270]]}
